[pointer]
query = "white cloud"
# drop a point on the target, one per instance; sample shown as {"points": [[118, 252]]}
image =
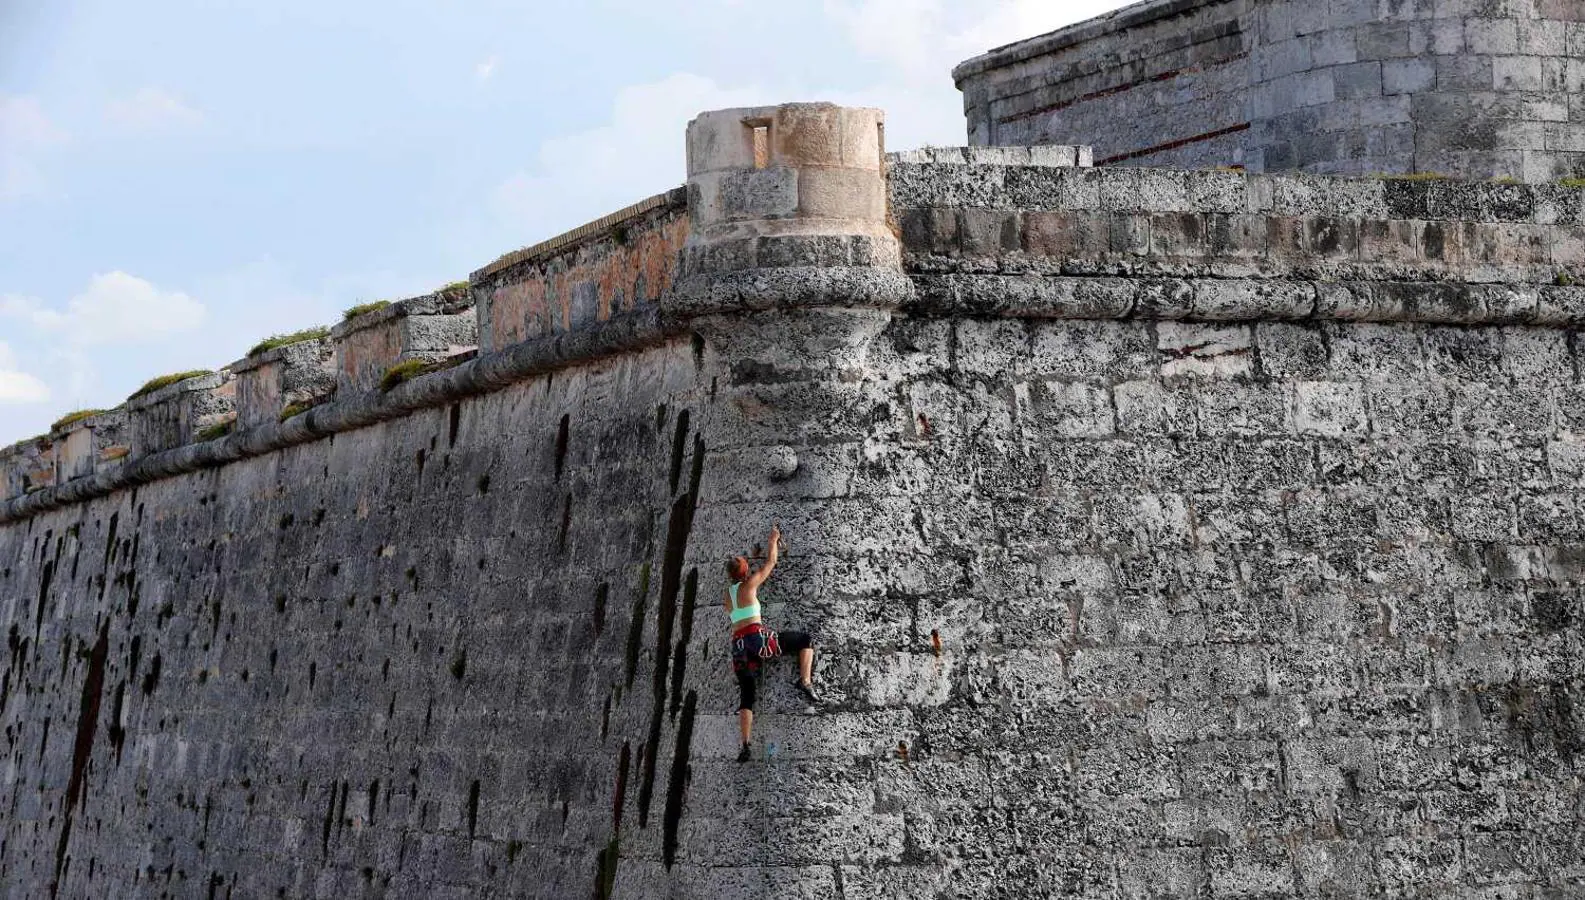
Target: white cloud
{"points": [[68, 344], [636, 153], [152, 109], [903, 33], [25, 133], [29, 309], [485, 69], [114, 309], [23, 123], [117, 308], [16, 386]]}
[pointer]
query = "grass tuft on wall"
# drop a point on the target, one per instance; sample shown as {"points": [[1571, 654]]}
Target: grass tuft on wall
{"points": [[154, 384], [218, 430], [352, 312], [405, 371], [318, 332], [71, 417]]}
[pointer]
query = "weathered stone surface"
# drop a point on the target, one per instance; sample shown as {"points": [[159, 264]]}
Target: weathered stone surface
{"points": [[428, 328], [377, 628], [1241, 228], [1472, 89], [621, 263], [175, 414], [267, 383]]}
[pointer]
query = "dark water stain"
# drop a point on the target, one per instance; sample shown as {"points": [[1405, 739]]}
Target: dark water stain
{"points": [[619, 798], [679, 443], [82, 747], [605, 868], [677, 785], [678, 528], [566, 524], [110, 539], [151, 679], [330, 819], [679, 664], [561, 444], [473, 807], [116, 733], [635, 625], [601, 595], [47, 576]]}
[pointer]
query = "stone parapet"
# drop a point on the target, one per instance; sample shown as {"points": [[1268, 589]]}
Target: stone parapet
{"points": [[1150, 222], [1049, 156], [1150, 74], [268, 382], [615, 264], [427, 328], [175, 414], [28, 466], [628, 333], [798, 168], [92, 444]]}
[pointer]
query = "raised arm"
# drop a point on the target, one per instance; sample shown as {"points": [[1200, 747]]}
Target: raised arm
{"points": [[758, 578]]}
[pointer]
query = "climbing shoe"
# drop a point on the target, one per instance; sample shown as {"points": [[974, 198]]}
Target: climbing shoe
{"points": [[807, 689], [745, 754]]}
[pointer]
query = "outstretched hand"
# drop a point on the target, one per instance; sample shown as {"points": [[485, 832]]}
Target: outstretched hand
{"points": [[775, 536]]}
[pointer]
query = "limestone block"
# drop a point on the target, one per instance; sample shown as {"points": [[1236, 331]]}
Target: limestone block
{"points": [[301, 373], [1071, 410], [841, 193], [75, 456], [174, 415], [1329, 409], [1204, 350], [91, 445], [427, 328], [1146, 407], [28, 466]]}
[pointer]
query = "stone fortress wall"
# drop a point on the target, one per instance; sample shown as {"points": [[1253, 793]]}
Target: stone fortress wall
{"points": [[1468, 88], [1165, 533]]}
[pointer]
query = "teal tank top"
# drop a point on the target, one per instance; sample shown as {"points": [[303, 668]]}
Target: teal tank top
{"points": [[743, 613]]}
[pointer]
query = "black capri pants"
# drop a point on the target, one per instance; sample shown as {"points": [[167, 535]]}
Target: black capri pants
{"points": [[751, 646]]}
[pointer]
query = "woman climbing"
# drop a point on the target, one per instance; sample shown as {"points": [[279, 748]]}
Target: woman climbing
{"points": [[753, 642]]}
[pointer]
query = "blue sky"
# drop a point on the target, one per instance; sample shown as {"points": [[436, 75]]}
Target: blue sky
{"points": [[179, 178]]}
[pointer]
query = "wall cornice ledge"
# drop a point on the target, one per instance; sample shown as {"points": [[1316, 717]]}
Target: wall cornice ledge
{"points": [[1246, 300]]}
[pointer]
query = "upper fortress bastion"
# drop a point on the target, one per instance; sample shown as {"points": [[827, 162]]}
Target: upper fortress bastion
{"points": [[1468, 88]]}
